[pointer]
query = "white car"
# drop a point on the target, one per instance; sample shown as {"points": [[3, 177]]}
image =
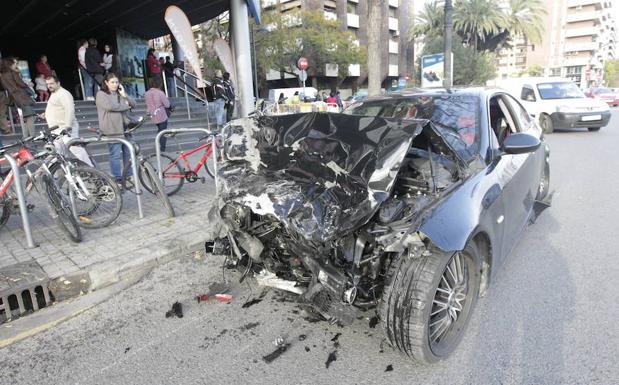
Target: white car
{"points": [[558, 103]]}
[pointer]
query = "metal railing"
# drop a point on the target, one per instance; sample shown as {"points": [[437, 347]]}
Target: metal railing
{"points": [[214, 154], [23, 208], [134, 164]]}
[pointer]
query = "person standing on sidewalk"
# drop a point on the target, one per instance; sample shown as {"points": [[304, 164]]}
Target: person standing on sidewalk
{"points": [[152, 64], [5, 128], [168, 68], [156, 104], [19, 92], [87, 80], [221, 98], [43, 68], [231, 95], [112, 103], [60, 109], [94, 63]]}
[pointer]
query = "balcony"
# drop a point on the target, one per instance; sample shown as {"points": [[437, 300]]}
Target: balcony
{"points": [[393, 24], [576, 61], [577, 3], [588, 31], [354, 1], [352, 20], [584, 16], [393, 46], [330, 15], [393, 70], [394, 3], [575, 47], [354, 70]]}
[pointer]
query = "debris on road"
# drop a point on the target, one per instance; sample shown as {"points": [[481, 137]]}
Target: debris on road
{"points": [[302, 337], [177, 310], [224, 297], [249, 326], [336, 343], [373, 322], [332, 357], [307, 349], [127, 349], [202, 298], [282, 347], [389, 368], [251, 303]]}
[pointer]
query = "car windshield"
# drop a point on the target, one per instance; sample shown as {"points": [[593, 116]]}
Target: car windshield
{"points": [[602, 91], [455, 116], [566, 90]]}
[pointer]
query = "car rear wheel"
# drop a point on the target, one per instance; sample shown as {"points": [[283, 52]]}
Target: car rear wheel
{"points": [[593, 129], [428, 301], [546, 123]]}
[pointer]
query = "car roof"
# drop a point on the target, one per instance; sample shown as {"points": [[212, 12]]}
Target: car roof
{"points": [[536, 80], [407, 92]]}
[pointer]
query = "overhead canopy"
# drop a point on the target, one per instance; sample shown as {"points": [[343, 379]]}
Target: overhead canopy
{"points": [[73, 19]]}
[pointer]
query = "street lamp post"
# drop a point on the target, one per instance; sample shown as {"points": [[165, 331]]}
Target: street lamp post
{"points": [[447, 66]]}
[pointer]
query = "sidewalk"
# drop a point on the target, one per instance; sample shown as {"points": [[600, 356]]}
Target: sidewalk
{"points": [[106, 255]]}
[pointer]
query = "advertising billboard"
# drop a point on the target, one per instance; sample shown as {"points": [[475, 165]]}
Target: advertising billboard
{"points": [[432, 70]]}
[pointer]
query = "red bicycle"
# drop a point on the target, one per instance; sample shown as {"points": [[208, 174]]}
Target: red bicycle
{"points": [[179, 170]]}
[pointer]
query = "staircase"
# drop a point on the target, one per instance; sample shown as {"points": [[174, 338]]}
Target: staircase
{"points": [[86, 114]]}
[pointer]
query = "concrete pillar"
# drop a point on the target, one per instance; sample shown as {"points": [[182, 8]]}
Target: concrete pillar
{"points": [[242, 54]]}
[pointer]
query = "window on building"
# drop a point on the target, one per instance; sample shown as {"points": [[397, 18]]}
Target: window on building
{"points": [[574, 70], [352, 8], [393, 59], [393, 12], [555, 72]]}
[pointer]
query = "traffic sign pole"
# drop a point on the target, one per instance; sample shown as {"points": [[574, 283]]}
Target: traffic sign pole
{"points": [[302, 64]]}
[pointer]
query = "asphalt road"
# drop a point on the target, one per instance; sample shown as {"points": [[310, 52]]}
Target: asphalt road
{"points": [[550, 317]]}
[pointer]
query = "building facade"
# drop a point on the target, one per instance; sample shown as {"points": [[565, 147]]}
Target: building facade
{"points": [[397, 54], [579, 36]]}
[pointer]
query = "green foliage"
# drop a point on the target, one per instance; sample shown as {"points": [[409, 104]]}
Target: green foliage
{"points": [[294, 34], [476, 19], [486, 25], [471, 67], [534, 70], [611, 73]]}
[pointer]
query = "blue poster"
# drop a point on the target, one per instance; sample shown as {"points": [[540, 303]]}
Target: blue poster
{"points": [[131, 54]]}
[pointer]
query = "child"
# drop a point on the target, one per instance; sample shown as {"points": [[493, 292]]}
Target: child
{"points": [[41, 88]]}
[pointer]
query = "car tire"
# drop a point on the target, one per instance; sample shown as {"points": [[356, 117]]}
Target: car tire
{"points": [[544, 184], [594, 129], [412, 311], [545, 121]]}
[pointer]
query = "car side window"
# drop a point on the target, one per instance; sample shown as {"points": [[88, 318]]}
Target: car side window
{"points": [[521, 116], [501, 119], [527, 94]]}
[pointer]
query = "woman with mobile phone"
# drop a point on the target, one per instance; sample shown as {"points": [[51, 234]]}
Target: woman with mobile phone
{"points": [[112, 103]]}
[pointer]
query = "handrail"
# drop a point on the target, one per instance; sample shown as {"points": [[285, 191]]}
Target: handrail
{"points": [[196, 93], [23, 208], [132, 155]]}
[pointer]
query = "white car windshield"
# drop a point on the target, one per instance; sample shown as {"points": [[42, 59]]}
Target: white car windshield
{"points": [[564, 90]]}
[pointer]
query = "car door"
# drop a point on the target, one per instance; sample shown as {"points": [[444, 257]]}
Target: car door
{"points": [[513, 172]]}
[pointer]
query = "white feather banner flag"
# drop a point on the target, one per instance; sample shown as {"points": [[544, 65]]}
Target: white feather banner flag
{"points": [[225, 56], [180, 27]]}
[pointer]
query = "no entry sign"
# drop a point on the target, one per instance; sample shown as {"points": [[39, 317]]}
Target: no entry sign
{"points": [[302, 63]]}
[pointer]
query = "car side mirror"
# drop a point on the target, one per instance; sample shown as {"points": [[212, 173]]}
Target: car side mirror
{"points": [[520, 143]]}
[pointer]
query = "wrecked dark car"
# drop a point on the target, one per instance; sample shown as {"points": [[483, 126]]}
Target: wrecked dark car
{"points": [[405, 204]]}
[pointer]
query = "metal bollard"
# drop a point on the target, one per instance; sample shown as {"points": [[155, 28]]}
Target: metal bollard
{"points": [[23, 208]]}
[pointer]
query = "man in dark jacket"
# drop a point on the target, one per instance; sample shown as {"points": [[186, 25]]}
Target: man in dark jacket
{"points": [[94, 63], [229, 90]]}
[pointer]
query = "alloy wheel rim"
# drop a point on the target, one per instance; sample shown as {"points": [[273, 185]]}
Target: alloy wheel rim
{"points": [[448, 303]]}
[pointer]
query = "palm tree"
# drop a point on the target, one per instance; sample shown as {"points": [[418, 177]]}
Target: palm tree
{"points": [[524, 18], [475, 19], [430, 21]]}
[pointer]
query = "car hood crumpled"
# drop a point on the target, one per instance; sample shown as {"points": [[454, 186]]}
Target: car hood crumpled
{"points": [[321, 175]]}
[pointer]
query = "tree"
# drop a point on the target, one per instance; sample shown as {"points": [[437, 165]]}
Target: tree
{"points": [[611, 73], [298, 33], [534, 70], [477, 19], [375, 17], [523, 18], [429, 23], [471, 67]]}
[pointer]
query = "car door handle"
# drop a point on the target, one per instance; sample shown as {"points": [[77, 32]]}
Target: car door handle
{"points": [[491, 195]]}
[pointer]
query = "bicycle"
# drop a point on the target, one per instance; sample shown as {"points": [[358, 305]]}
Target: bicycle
{"points": [[175, 175], [97, 197], [59, 207]]}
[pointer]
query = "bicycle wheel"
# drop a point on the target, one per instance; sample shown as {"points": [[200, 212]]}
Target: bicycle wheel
{"points": [[64, 215], [99, 200], [173, 174], [150, 176]]}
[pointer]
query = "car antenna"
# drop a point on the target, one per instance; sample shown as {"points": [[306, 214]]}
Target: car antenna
{"points": [[432, 169]]}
